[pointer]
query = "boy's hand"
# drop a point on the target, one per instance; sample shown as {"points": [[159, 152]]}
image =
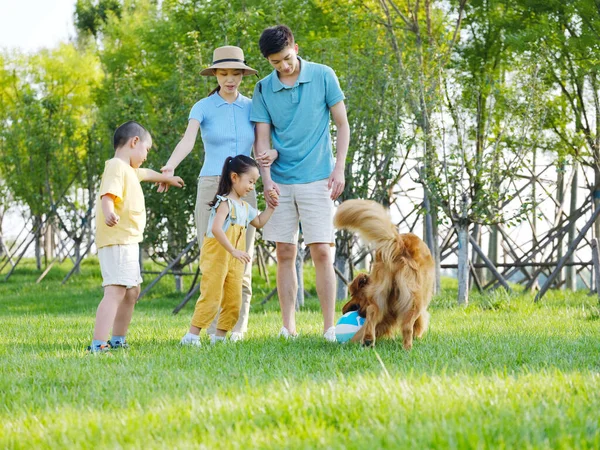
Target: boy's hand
{"points": [[169, 171], [266, 159], [241, 256], [175, 181], [112, 219]]}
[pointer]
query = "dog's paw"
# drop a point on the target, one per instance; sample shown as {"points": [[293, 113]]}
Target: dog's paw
{"points": [[369, 343]]}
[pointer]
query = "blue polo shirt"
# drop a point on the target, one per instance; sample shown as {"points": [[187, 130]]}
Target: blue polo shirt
{"points": [[225, 128], [299, 119]]}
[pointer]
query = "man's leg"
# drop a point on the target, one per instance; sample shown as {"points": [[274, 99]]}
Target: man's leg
{"points": [[107, 310], [325, 281], [287, 284], [125, 311]]}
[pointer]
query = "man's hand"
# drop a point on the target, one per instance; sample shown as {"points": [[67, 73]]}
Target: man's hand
{"points": [[337, 182], [176, 181], [169, 171], [266, 159], [241, 256], [271, 199], [111, 219]]}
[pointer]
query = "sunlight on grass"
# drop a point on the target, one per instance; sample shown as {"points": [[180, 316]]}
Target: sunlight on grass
{"points": [[501, 373]]}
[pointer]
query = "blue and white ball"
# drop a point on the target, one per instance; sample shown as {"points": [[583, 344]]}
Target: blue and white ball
{"points": [[348, 325]]}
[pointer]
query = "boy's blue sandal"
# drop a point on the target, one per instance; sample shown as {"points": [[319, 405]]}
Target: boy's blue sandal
{"points": [[99, 348], [118, 344]]}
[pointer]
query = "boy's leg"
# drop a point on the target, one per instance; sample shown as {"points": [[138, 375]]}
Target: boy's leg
{"points": [[107, 311], [125, 311], [287, 284]]}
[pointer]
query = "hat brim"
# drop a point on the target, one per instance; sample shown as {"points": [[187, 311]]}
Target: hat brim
{"points": [[208, 72]]}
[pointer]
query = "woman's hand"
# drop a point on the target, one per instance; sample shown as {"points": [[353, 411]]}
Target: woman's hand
{"points": [[169, 171], [266, 159]]}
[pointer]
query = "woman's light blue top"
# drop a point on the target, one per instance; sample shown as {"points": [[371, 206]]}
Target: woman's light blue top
{"points": [[239, 213], [225, 128]]}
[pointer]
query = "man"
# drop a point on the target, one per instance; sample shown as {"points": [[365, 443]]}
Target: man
{"points": [[291, 108]]}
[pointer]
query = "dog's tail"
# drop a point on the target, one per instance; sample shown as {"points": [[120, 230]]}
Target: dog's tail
{"points": [[372, 222]]}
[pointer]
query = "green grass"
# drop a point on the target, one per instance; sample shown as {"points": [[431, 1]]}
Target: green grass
{"points": [[501, 373]]}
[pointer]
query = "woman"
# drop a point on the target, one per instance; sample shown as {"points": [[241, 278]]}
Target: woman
{"points": [[223, 118]]}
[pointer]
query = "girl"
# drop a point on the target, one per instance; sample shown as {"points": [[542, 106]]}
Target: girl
{"points": [[224, 120], [223, 255]]}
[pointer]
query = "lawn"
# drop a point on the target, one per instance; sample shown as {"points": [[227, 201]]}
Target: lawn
{"points": [[500, 373]]}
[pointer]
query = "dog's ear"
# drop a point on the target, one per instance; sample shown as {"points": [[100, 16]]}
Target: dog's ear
{"points": [[363, 281]]}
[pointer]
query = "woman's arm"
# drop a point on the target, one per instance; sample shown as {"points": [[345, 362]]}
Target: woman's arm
{"points": [[183, 148]]}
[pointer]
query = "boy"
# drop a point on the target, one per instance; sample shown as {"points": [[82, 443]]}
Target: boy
{"points": [[120, 221], [291, 107]]}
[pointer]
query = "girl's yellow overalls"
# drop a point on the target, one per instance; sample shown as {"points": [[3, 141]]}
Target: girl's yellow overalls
{"points": [[222, 274]]}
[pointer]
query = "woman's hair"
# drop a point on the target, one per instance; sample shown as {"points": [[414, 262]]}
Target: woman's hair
{"points": [[239, 164], [275, 39], [214, 91]]}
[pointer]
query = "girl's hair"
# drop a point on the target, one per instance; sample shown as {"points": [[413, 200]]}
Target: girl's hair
{"points": [[239, 164], [214, 91]]}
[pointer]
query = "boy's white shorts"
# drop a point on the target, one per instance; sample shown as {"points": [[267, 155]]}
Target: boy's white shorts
{"points": [[120, 265]]}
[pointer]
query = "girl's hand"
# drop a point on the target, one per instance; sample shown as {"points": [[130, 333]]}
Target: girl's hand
{"points": [[176, 181], [112, 219], [271, 199], [266, 159], [241, 256], [169, 171]]}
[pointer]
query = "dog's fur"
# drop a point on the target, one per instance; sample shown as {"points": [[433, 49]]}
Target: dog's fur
{"points": [[399, 288]]}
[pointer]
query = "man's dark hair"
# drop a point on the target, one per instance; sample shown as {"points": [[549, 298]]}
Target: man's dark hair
{"points": [[127, 131], [274, 39]]}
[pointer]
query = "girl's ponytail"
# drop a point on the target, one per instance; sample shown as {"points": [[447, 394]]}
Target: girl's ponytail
{"points": [[239, 164], [225, 184]]}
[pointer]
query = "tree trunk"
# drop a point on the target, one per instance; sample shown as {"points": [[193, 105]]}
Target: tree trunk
{"points": [[463, 264], [493, 247], [481, 272], [77, 249], [560, 181], [37, 222], [341, 262], [571, 281], [463, 255], [430, 233]]}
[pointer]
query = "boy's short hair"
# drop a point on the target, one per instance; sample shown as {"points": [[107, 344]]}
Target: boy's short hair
{"points": [[274, 39], [127, 131]]}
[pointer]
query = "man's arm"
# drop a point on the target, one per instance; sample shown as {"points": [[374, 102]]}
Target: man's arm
{"points": [[262, 143], [337, 180]]}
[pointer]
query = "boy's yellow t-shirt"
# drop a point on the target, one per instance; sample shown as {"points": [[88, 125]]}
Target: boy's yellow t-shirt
{"points": [[122, 181]]}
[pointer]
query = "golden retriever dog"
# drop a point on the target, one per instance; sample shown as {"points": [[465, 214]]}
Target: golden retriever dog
{"points": [[395, 295]]}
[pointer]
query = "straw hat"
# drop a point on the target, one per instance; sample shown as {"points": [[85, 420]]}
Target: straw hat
{"points": [[228, 57]]}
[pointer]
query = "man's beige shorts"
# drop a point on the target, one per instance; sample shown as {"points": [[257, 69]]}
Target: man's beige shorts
{"points": [[120, 265], [311, 205]]}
